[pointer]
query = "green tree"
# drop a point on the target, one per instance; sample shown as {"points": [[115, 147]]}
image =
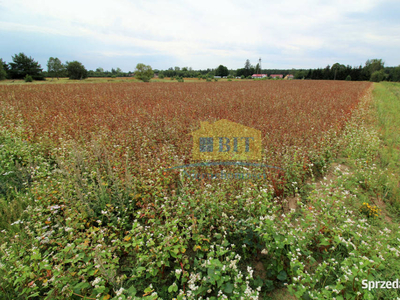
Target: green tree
{"points": [[55, 68], [338, 71], [3, 73], [396, 74], [76, 70], [378, 76], [143, 72], [221, 71], [23, 65], [371, 66], [247, 68]]}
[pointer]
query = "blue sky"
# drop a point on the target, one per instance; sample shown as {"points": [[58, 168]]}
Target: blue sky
{"points": [[202, 34]]}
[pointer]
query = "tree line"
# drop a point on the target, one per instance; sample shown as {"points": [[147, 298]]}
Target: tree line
{"points": [[24, 67], [373, 70]]}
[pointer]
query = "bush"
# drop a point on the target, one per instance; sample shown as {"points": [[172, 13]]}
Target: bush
{"points": [[242, 77], [348, 78], [161, 76], [113, 76], [378, 76], [28, 78], [180, 79]]}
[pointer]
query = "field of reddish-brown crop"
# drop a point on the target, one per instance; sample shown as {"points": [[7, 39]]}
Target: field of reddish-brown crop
{"points": [[152, 121]]}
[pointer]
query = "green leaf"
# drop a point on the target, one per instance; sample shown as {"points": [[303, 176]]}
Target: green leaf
{"points": [[228, 288], [148, 290], [324, 242], [282, 276], [132, 291]]}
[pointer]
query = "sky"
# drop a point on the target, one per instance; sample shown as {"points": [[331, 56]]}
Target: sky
{"points": [[202, 34]]}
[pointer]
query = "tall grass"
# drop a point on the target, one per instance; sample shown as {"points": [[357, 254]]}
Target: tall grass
{"points": [[387, 106]]}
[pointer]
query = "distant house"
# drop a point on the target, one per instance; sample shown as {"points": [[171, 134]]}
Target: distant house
{"points": [[217, 77], [259, 76], [289, 76], [276, 76]]}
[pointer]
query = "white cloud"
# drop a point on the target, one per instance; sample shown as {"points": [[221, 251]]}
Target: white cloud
{"points": [[203, 33]]}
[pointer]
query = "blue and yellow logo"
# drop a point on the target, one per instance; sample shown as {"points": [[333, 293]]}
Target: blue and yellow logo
{"points": [[225, 140]]}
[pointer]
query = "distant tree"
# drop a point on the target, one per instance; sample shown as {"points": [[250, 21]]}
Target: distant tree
{"points": [[326, 73], [378, 76], [257, 69], [221, 71], [371, 66], [338, 71], [247, 68], [55, 68], [300, 74], [3, 73], [23, 65], [395, 74], [100, 70], [143, 72], [76, 70], [5, 67]]}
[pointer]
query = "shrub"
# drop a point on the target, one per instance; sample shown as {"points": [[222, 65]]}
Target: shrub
{"points": [[378, 76], [28, 78], [113, 76], [348, 78]]}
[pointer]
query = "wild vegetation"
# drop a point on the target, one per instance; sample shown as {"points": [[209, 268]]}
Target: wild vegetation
{"points": [[88, 210]]}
